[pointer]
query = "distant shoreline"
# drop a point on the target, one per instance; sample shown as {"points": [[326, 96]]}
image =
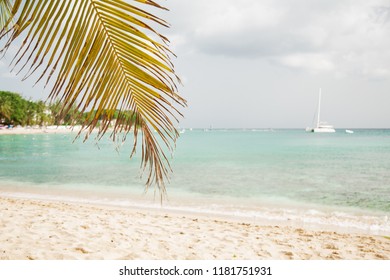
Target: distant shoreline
{"points": [[40, 130], [76, 129]]}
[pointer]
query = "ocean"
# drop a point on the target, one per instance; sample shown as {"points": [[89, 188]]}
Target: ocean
{"points": [[277, 176]]}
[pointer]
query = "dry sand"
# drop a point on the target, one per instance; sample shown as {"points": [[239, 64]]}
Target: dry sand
{"points": [[46, 230]]}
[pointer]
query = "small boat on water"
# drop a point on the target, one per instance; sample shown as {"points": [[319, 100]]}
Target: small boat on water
{"points": [[349, 131], [321, 127]]}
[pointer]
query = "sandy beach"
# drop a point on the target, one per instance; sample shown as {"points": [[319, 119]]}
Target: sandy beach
{"points": [[54, 230], [39, 130]]}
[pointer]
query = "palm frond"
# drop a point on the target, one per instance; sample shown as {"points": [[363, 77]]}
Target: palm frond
{"points": [[104, 55], [5, 12]]}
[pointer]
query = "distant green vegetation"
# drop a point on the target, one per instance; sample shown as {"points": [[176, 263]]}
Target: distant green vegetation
{"points": [[15, 110]]}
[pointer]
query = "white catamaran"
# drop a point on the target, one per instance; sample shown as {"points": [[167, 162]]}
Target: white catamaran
{"points": [[321, 127]]}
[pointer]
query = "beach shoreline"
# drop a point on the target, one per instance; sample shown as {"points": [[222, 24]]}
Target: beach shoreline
{"points": [[260, 212], [66, 200], [44, 229], [40, 130]]}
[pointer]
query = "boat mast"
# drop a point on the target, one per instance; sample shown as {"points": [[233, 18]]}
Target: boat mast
{"points": [[319, 109]]}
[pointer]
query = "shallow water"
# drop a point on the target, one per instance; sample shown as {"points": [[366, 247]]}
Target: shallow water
{"points": [[277, 175]]}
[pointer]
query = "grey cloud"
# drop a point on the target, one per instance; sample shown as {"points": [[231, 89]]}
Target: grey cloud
{"points": [[250, 33], [299, 27], [381, 14], [252, 43]]}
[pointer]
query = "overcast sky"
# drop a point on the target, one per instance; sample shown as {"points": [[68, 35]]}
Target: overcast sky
{"points": [[260, 63]]}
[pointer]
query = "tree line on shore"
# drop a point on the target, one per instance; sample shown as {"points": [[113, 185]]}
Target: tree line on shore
{"points": [[16, 110]]}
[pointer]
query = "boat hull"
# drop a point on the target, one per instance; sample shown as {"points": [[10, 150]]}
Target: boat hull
{"points": [[323, 130]]}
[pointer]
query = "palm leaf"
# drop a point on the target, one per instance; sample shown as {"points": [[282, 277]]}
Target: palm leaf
{"points": [[5, 12], [104, 56]]}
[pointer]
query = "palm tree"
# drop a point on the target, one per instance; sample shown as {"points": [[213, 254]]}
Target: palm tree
{"points": [[55, 112], [30, 112], [42, 117], [5, 109], [102, 55]]}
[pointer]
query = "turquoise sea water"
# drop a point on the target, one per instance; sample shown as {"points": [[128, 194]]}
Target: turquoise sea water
{"points": [[281, 174]]}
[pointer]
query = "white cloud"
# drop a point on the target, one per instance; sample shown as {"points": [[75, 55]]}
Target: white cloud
{"points": [[346, 37], [310, 62], [377, 73], [176, 41], [4, 70], [230, 17], [8, 75]]}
